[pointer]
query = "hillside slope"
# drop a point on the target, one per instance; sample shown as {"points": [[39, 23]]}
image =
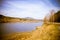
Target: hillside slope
{"points": [[5, 19]]}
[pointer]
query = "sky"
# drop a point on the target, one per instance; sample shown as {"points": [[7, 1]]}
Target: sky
{"points": [[37, 9]]}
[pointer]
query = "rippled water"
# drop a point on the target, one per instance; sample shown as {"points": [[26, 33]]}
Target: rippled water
{"points": [[18, 27]]}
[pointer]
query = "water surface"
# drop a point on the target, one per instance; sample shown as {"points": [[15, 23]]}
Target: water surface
{"points": [[18, 27]]}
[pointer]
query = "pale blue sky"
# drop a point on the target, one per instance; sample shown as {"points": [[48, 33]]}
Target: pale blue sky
{"points": [[27, 8]]}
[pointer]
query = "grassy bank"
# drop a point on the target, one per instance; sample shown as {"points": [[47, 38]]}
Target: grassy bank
{"points": [[45, 32]]}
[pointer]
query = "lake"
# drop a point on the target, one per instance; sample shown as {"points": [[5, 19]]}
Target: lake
{"points": [[18, 27]]}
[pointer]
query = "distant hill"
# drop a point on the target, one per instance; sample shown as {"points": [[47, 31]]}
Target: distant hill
{"points": [[6, 19]]}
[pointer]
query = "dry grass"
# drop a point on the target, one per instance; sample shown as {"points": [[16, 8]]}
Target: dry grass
{"points": [[46, 32]]}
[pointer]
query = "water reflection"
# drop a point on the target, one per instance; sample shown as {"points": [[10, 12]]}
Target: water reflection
{"points": [[18, 27]]}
